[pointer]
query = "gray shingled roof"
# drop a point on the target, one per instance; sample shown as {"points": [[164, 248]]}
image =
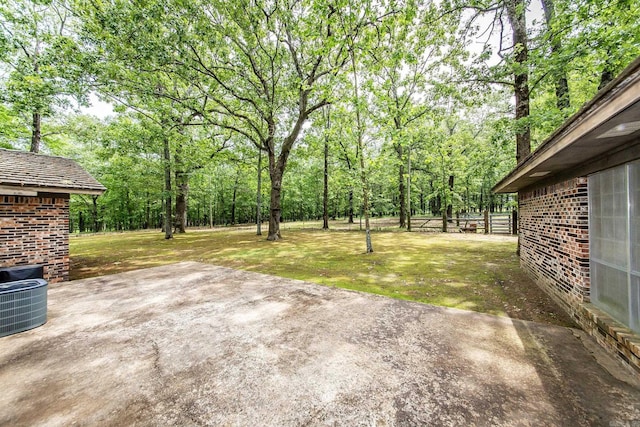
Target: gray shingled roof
{"points": [[48, 173]]}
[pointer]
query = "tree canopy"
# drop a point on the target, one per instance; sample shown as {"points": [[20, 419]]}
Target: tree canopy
{"points": [[406, 107]]}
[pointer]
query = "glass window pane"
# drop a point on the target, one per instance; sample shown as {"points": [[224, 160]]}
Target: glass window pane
{"points": [[635, 303], [612, 291], [614, 232], [634, 198], [634, 221]]}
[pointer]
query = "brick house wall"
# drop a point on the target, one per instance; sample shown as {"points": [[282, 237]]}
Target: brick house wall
{"points": [[554, 240], [35, 230], [554, 251]]}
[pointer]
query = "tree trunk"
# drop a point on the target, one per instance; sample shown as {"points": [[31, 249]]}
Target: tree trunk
{"points": [[275, 172], [561, 83], [450, 199], [401, 189], [168, 229], [325, 194], [351, 206], [182, 187], [363, 172], [36, 125], [182, 184], [259, 196], [607, 73], [36, 132], [94, 214], [129, 218], [233, 202], [563, 100], [147, 212], [276, 169], [516, 13], [409, 190]]}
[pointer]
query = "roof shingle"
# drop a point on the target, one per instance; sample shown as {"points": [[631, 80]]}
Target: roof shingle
{"points": [[30, 170]]}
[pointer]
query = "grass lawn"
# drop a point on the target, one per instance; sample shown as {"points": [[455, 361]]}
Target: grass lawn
{"points": [[472, 272]]}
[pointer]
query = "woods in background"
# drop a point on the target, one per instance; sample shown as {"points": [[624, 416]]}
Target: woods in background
{"points": [[226, 112]]}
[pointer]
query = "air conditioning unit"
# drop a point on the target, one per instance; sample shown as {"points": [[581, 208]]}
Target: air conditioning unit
{"points": [[23, 305]]}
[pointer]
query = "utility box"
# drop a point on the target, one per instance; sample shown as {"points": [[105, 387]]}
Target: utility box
{"points": [[23, 305]]}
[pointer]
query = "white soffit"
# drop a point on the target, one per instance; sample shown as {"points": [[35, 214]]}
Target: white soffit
{"points": [[621, 130]]}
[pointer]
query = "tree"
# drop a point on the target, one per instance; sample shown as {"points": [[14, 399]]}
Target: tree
{"points": [[325, 181], [347, 152], [517, 17], [359, 134], [258, 68], [408, 50], [559, 72], [513, 59], [43, 60], [259, 195]]}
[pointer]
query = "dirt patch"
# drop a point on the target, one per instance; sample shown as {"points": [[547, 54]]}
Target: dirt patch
{"points": [[524, 300]]}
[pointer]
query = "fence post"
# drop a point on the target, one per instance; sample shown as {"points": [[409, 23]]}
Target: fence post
{"points": [[514, 222], [486, 222]]}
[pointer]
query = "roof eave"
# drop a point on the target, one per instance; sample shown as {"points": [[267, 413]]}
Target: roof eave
{"points": [[17, 190], [619, 95]]}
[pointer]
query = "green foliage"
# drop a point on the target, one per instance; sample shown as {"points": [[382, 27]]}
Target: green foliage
{"points": [[215, 80], [40, 57], [13, 133]]}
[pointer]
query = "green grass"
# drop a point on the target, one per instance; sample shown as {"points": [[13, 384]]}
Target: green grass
{"points": [[473, 272]]}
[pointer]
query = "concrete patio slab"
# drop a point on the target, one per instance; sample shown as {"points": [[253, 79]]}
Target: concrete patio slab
{"points": [[196, 344]]}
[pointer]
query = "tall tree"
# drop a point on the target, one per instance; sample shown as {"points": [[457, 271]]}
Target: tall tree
{"points": [[559, 72], [325, 192], [516, 12], [512, 69], [408, 51], [259, 195], [258, 68], [43, 61], [359, 134]]}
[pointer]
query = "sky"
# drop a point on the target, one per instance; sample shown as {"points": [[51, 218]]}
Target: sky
{"points": [[98, 108]]}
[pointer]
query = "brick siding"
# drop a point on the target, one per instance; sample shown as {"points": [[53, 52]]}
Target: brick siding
{"points": [[554, 239], [554, 250], [35, 230]]}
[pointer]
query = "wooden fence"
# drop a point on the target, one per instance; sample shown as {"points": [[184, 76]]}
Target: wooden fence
{"points": [[489, 223]]}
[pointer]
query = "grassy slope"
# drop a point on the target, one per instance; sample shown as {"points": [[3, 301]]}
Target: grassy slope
{"points": [[472, 272]]}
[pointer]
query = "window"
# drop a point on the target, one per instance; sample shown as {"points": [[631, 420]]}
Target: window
{"points": [[614, 235]]}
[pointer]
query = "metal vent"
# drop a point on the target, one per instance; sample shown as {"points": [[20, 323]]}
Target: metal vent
{"points": [[23, 305]]}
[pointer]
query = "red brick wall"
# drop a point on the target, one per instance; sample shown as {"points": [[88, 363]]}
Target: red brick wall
{"points": [[554, 239], [35, 230]]}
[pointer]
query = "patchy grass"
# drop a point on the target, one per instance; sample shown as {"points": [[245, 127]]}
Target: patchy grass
{"points": [[472, 272]]}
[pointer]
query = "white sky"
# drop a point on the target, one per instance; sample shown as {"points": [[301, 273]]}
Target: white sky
{"points": [[98, 108]]}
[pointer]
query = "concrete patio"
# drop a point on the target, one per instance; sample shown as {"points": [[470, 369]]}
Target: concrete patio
{"points": [[196, 344]]}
